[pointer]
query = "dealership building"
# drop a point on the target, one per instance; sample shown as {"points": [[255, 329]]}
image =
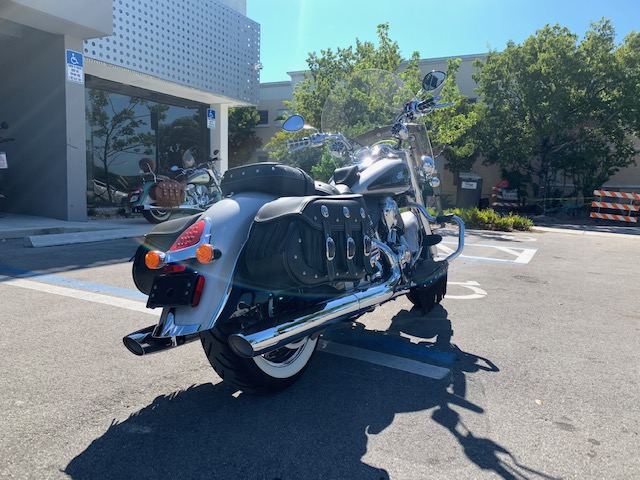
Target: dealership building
{"points": [[90, 88]]}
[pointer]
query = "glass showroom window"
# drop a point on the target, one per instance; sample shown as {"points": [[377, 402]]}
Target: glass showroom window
{"points": [[122, 129]]}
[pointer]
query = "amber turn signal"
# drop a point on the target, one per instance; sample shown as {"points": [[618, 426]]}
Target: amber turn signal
{"points": [[154, 259], [205, 253]]}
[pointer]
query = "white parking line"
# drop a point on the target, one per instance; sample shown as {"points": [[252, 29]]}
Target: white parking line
{"points": [[78, 294], [522, 255], [384, 359], [471, 285], [370, 356]]}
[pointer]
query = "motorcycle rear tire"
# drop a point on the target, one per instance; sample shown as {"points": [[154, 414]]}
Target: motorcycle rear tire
{"points": [[262, 375], [156, 216]]}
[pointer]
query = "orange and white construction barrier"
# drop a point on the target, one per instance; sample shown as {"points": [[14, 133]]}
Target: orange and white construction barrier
{"points": [[605, 193], [625, 207], [502, 197]]}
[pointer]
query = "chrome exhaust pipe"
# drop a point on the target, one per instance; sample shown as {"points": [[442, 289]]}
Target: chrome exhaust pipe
{"points": [[251, 342], [143, 342]]}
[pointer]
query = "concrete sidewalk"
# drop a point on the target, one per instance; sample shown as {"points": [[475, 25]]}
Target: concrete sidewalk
{"points": [[46, 232]]}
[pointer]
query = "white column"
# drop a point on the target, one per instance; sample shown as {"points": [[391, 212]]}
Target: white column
{"points": [[76, 151], [220, 135]]}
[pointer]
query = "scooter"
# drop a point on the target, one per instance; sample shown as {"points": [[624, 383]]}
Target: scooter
{"points": [[194, 188], [260, 275]]}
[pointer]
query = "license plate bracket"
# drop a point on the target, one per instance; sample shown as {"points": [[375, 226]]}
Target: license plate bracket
{"points": [[172, 290]]}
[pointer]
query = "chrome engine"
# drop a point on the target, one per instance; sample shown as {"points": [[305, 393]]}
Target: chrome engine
{"points": [[403, 234], [196, 194]]}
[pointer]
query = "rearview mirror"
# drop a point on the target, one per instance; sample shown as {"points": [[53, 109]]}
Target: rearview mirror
{"points": [[294, 123], [433, 81]]}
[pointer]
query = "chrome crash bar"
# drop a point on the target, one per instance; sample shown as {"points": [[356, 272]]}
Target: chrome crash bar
{"points": [[442, 219]]}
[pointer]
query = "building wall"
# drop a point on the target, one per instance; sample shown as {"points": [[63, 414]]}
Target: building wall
{"points": [[46, 118], [239, 6], [62, 17], [202, 50], [200, 44]]}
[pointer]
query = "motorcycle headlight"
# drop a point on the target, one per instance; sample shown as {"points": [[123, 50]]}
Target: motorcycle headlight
{"points": [[428, 165]]}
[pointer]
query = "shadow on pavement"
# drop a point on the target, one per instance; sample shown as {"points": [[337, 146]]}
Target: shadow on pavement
{"points": [[318, 428], [484, 452], [17, 261]]}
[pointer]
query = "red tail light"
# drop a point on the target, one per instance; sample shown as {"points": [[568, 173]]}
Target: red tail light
{"points": [[190, 237], [174, 268], [197, 294]]}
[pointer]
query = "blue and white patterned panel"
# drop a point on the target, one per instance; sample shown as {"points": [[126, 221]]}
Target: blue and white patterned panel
{"points": [[197, 43]]}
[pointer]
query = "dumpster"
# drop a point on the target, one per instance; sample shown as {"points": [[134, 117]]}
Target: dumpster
{"points": [[469, 190]]}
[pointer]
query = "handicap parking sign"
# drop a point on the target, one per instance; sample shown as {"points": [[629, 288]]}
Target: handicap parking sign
{"points": [[211, 118], [75, 66]]}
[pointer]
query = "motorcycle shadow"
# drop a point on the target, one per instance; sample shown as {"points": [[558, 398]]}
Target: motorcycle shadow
{"points": [[319, 428]]}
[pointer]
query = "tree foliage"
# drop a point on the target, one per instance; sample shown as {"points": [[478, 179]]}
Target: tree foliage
{"points": [[175, 138], [557, 104], [326, 71], [243, 140], [453, 131]]}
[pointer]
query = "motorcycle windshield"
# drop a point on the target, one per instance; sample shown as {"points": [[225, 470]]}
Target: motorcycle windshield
{"points": [[363, 109]]}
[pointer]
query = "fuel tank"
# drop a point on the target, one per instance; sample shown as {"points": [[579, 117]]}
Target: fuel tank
{"points": [[199, 177], [387, 176]]}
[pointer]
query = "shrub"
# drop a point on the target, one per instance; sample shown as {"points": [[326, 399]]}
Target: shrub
{"points": [[489, 219], [522, 223]]}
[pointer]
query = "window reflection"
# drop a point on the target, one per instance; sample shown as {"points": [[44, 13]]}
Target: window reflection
{"points": [[122, 129]]}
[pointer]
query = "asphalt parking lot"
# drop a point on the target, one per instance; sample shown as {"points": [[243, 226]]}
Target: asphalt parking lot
{"points": [[528, 369]]}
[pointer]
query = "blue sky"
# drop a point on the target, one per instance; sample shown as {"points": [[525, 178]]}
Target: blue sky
{"points": [[290, 29]]}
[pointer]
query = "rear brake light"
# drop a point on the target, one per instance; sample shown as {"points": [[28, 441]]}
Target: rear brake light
{"points": [[174, 268], [190, 237]]}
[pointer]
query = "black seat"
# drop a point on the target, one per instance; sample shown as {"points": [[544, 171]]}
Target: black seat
{"points": [[325, 189], [268, 177]]}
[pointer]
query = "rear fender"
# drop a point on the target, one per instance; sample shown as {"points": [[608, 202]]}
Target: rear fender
{"points": [[144, 198], [231, 219], [161, 237]]}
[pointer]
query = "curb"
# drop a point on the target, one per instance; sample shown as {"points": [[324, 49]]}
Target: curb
{"points": [[57, 239], [598, 233]]}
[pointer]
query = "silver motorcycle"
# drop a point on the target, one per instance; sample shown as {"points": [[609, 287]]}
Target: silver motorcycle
{"points": [[260, 275]]}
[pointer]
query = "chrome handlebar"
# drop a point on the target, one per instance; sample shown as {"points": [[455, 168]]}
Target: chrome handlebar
{"points": [[314, 140], [411, 109]]}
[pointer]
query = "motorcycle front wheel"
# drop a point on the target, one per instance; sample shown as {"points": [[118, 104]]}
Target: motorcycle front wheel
{"points": [[261, 375], [156, 216]]}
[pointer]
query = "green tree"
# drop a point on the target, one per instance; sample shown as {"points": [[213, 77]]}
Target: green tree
{"points": [[326, 71], [243, 140], [556, 104], [454, 128]]}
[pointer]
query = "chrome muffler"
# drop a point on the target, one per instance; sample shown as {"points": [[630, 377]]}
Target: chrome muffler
{"points": [[253, 342], [143, 342]]}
